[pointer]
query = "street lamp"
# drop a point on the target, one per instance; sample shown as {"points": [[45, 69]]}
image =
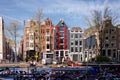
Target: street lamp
{"points": [[87, 55]]}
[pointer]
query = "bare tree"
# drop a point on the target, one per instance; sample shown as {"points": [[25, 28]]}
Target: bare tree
{"points": [[96, 20], [13, 29], [38, 15], [98, 15]]}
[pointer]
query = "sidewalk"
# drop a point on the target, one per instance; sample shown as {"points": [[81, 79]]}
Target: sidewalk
{"points": [[26, 64]]}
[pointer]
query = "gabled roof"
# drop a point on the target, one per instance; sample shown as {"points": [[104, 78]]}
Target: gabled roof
{"points": [[61, 23], [76, 29]]}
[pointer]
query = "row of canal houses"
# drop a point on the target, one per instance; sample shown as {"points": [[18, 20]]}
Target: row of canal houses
{"points": [[59, 41]]}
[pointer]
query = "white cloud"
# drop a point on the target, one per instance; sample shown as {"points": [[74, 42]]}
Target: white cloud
{"points": [[75, 10], [82, 7]]}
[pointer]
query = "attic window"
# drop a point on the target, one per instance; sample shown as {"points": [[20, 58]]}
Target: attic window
{"points": [[63, 23], [48, 23]]}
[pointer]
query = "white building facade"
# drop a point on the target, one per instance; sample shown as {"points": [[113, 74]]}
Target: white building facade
{"points": [[76, 44], [1, 39]]}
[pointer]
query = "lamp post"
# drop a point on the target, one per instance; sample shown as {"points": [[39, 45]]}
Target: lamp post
{"points": [[87, 56]]}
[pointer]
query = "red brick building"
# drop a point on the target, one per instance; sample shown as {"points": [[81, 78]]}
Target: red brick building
{"points": [[38, 39], [61, 40]]}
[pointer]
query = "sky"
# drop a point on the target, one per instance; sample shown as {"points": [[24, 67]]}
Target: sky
{"points": [[73, 12]]}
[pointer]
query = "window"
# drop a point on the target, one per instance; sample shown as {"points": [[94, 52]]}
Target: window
{"points": [[76, 31], [72, 43], [76, 49], [103, 52], [90, 54], [32, 23], [48, 23], [76, 42], [36, 46], [61, 47], [106, 45], [27, 29], [80, 49], [61, 28], [72, 36], [43, 31], [62, 34], [114, 50], [72, 31], [106, 38], [31, 37], [31, 44], [110, 31], [48, 46], [113, 37], [80, 35], [27, 37], [66, 53], [80, 42], [47, 31], [61, 40], [57, 53], [48, 38], [112, 44], [27, 44], [106, 31], [36, 37], [114, 55], [36, 30], [109, 52], [61, 53], [113, 30], [72, 50], [76, 35], [85, 54]]}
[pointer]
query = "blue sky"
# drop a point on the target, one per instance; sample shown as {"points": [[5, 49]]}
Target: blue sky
{"points": [[72, 11]]}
